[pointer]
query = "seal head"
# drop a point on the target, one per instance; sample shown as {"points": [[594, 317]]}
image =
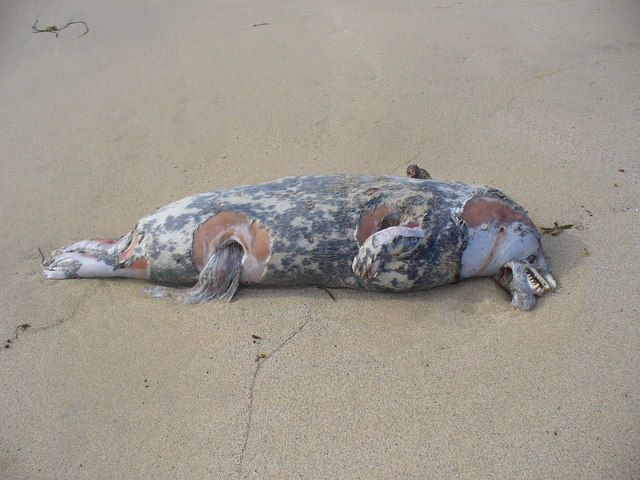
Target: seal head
{"points": [[504, 243]]}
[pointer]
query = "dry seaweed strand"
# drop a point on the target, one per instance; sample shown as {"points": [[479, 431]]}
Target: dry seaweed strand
{"points": [[556, 229], [55, 30], [16, 333]]}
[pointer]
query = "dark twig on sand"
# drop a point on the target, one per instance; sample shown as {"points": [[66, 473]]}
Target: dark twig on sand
{"points": [[328, 292]]}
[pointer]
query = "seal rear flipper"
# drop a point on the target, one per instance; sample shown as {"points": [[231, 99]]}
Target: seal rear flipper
{"points": [[103, 257], [388, 242], [220, 277]]}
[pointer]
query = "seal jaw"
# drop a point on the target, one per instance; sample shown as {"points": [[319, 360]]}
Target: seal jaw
{"points": [[525, 282], [539, 283]]}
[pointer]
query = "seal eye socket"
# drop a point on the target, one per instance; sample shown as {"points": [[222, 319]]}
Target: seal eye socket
{"points": [[531, 258]]}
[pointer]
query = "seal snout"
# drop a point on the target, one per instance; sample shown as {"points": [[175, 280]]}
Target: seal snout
{"points": [[537, 282], [525, 282]]}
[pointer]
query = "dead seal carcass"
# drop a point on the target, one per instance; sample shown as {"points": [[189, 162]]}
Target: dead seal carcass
{"points": [[361, 231]]}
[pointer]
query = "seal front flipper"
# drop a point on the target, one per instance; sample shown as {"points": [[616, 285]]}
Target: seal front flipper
{"points": [[218, 279], [385, 243]]}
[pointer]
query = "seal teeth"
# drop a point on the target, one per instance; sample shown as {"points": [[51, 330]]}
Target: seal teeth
{"points": [[536, 283]]}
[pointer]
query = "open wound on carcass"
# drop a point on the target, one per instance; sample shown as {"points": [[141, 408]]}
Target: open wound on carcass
{"points": [[484, 211], [382, 233], [234, 227]]}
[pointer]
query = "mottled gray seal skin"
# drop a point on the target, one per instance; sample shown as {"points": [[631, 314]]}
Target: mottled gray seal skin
{"points": [[361, 231]]}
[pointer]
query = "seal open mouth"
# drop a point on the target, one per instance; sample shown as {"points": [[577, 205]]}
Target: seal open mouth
{"points": [[525, 282], [537, 282]]}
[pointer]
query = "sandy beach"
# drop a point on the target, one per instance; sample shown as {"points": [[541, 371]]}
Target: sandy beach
{"points": [[159, 100]]}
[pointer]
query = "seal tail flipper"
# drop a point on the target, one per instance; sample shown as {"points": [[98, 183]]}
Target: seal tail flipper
{"points": [[90, 245], [219, 278], [102, 257]]}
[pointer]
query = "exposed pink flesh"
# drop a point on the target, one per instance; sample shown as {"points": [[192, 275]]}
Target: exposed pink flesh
{"points": [[110, 241], [140, 263], [254, 238], [370, 223], [481, 210], [412, 224]]}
